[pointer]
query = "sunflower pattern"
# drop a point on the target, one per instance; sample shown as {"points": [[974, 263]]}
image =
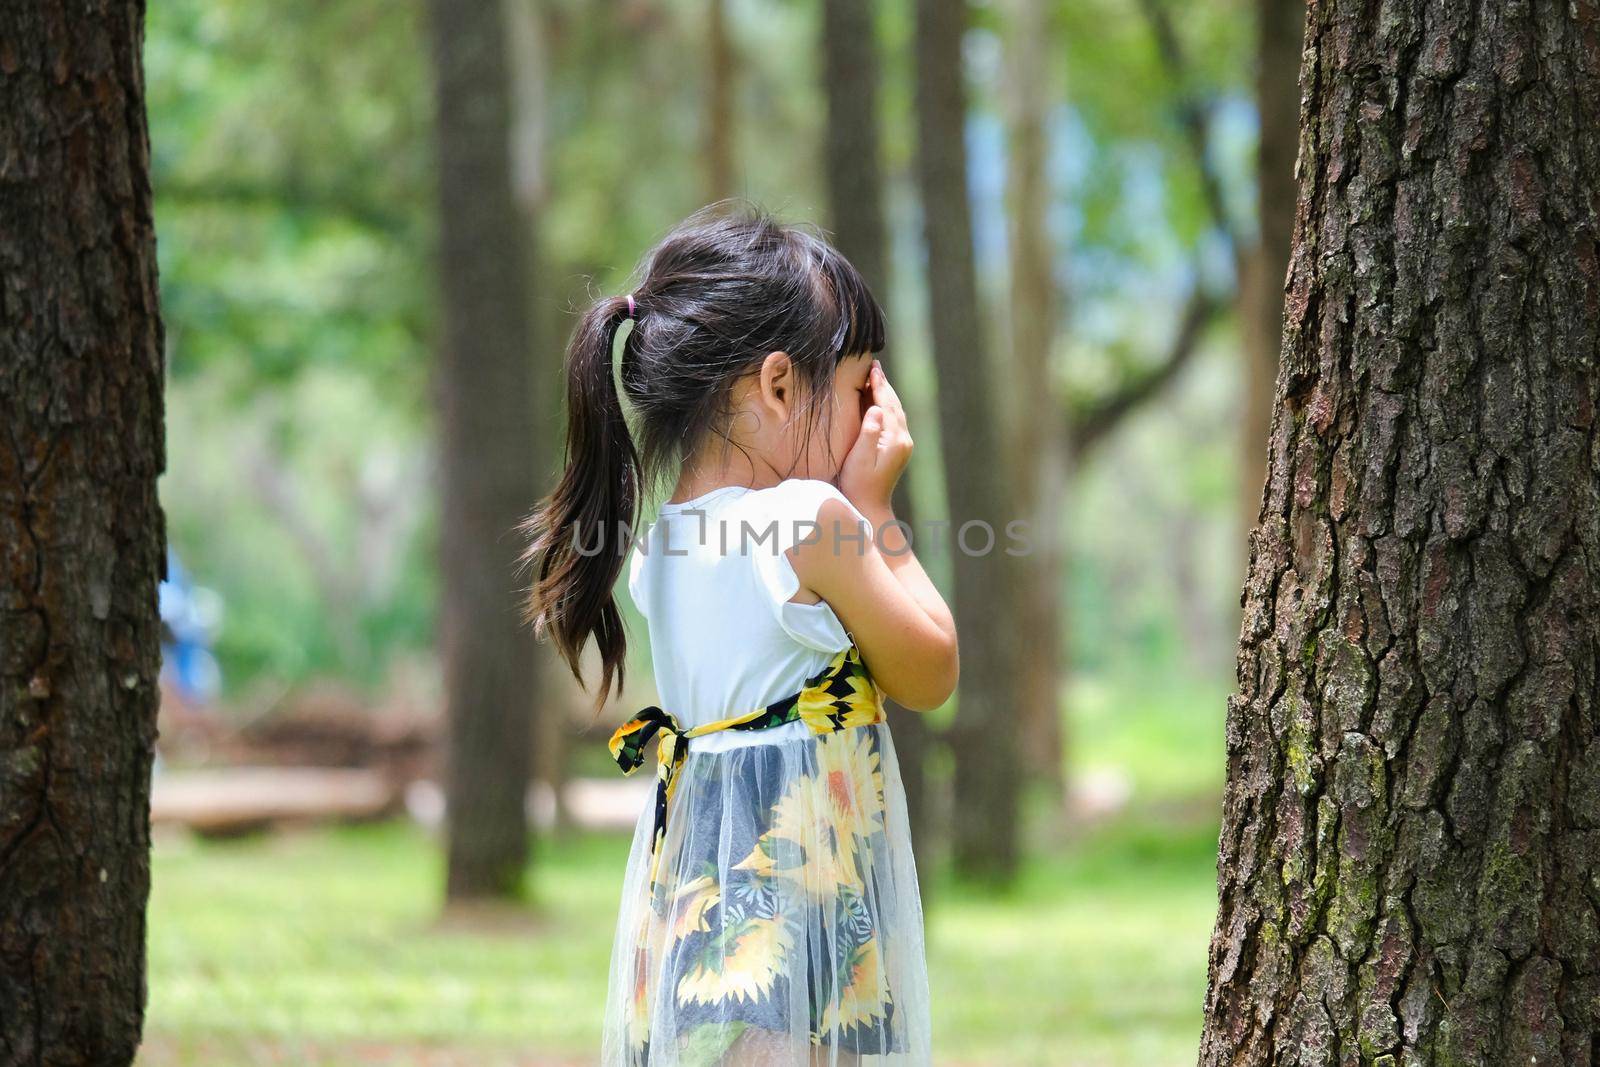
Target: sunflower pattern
{"points": [[841, 694], [769, 909]]}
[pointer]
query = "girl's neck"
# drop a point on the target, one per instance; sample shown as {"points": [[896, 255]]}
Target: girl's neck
{"points": [[699, 478]]}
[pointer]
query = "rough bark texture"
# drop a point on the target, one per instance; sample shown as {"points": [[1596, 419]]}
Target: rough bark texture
{"points": [[854, 174], [1038, 438], [984, 734], [82, 537], [485, 404], [1410, 855]]}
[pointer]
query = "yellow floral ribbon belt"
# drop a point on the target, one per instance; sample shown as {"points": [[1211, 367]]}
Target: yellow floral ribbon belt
{"points": [[841, 694]]}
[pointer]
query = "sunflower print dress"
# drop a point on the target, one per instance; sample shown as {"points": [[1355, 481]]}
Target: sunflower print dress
{"points": [[770, 911]]}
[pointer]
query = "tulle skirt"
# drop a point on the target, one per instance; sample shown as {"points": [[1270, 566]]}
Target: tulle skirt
{"points": [[786, 926]]}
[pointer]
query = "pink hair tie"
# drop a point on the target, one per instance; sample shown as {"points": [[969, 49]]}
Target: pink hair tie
{"points": [[630, 305]]}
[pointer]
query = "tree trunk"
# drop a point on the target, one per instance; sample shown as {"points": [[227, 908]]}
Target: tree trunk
{"points": [[852, 151], [485, 409], [854, 174], [718, 133], [82, 535], [984, 734], [530, 32], [1280, 26], [1038, 439], [1411, 840]]}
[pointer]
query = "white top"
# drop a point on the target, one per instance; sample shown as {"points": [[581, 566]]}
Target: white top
{"points": [[712, 580]]}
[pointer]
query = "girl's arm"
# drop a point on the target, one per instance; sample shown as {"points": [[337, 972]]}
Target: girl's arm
{"points": [[870, 577]]}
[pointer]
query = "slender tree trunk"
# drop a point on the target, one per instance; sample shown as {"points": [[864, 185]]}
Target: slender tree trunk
{"points": [[719, 103], [485, 404], [853, 156], [854, 173], [82, 535], [1038, 437], [1280, 29], [528, 38], [984, 734], [1411, 831]]}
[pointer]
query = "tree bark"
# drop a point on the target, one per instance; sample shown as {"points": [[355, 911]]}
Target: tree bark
{"points": [[484, 400], [984, 734], [1411, 829], [82, 535]]}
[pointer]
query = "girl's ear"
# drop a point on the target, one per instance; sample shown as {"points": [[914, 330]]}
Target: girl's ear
{"points": [[776, 385]]}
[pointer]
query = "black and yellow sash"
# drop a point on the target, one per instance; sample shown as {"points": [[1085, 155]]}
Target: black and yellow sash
{"points": [[841, 694]]}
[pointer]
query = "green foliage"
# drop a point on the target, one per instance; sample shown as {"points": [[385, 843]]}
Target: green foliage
{"points": [[293, 171], [292, 176], [308, 508], [1165, 735], [1157, 557]]}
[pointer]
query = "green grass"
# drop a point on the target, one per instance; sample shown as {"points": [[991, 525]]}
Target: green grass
{"points": [[1165, 734], [320, 949], [1097, 958], [331, 934]]}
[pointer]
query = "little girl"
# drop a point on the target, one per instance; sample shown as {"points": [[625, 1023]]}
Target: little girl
{"points": [[770, 913]]}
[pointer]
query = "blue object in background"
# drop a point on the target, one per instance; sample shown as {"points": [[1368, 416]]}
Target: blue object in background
{"points": [[190, 618]]}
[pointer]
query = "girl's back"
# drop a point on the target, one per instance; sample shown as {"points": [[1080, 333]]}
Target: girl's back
{"points": [[713, 580], [770, 912], [785, 926]]}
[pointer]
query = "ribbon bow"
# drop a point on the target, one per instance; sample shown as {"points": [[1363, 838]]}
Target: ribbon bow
{"points": [[840, 695]]}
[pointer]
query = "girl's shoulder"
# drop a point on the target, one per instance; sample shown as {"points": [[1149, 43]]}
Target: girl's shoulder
{"points": [[770, 521], [736, 544], [798, 498]]}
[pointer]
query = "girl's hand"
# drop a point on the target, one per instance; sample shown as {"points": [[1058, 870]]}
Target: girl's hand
{"points": [[876, 586], [882, 450]]}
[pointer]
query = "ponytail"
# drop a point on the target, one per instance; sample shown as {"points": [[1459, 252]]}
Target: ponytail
{"points": [[576, 544], [722, 289]]}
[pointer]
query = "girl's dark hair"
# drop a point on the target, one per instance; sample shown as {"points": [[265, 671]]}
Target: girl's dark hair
{"points": [[713, 298]]}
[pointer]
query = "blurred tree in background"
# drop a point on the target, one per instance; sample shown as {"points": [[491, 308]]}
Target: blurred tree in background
{"points": [[851, 70], [484, 390], [978, 480], [1108, 172], [293, 174]]}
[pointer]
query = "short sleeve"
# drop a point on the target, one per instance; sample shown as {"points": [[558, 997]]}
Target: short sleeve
{"points": [[791, 516], [636, 560]]}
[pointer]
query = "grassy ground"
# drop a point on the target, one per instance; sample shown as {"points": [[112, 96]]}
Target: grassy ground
{"points": [[321, 949]]}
